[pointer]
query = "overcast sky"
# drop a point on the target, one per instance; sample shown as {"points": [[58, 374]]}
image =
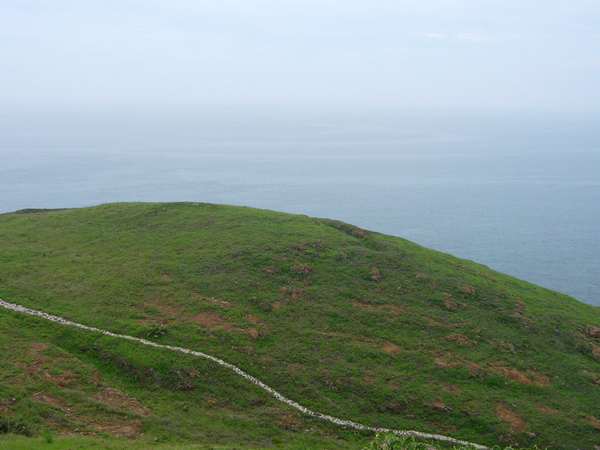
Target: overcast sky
{"points": [[542, 54]]}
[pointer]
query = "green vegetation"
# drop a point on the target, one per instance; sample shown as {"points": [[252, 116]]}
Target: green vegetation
{"points": [[347, 322]]}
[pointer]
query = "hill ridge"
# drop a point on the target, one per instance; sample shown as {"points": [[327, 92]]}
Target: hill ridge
{"points": [[349, 321]]}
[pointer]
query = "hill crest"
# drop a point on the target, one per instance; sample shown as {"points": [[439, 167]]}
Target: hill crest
{"points": [[347, 321]]}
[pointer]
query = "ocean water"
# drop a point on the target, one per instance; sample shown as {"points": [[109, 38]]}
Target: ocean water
{"points": [[517, 192]]}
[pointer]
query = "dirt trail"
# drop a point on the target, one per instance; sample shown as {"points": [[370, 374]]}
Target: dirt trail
{"points": [[277, 395]]}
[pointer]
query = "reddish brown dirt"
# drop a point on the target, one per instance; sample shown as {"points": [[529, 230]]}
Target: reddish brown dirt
{"points": [[443, 363], [254, 319], [126, 428], [517, 423], [253, 333], [388, 347], [392, 383], [519, 307], [293, 368], [208, 320], [593, 332], [593, 422], [115, 425], [297, 294], [467, 290], [375, 274], [63, 380], [162, 304], [472, 365], [119, 399], [540, 379], [276, 306], [247, 349], [460, 339], [450, 387], [38, 347], [302, 268], [595, 352], [290, 420], [512, 374], [50, 399], [37, 367], [453, 306], [444, 359], [549, 411]]}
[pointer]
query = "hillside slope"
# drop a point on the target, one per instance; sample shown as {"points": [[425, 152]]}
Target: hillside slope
{"points": [[347, 322]]}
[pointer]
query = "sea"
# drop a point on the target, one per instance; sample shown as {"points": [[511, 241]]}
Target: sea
{"points": [[516, 191]]}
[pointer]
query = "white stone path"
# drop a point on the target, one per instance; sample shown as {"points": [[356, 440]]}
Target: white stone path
{"points": [[277, 395]]}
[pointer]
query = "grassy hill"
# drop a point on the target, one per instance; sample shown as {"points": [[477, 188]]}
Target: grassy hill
{"points": [[347, 322]]}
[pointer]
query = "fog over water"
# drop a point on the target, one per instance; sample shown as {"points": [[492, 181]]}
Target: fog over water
{"points": [[517, 192]]}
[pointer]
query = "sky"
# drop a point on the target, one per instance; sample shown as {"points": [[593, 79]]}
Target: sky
{"points": [[505, 54]]}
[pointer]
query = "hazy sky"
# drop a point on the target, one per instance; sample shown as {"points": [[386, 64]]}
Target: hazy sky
{"points": [[448, 53]]}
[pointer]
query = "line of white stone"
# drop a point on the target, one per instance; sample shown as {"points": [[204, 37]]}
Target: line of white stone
{"points": [[277, 395]]}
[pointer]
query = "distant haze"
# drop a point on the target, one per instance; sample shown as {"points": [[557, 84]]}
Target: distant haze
{"points": [[428, 53]]}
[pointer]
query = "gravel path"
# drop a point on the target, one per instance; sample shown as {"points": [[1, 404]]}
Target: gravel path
{"points": [[277, 395]]}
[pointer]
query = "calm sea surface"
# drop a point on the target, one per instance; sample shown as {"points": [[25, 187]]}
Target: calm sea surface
{"points": [[518, 192]]}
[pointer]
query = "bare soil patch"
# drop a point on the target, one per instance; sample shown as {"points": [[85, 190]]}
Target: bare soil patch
{"points": [[593, 332], [64, 379], [276, 306], [595, 352], [290, 420], [388, 347], [460, 339], [115, 425], [50, 399], [126, 428], [253, 333], [116, 398], [453, 306], [38, 347], [161, 304], [293, 367], [593, 421], [208, 320], [512, 374], [450, 387], [517, 423], [547, 410], [540, 379], [443, 363]]}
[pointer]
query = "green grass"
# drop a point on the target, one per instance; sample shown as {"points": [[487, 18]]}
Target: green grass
{"points": [[79, 442], [347, 322]]}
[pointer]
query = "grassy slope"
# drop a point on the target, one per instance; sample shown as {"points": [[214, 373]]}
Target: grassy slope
{"points": [[348, 322]]}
